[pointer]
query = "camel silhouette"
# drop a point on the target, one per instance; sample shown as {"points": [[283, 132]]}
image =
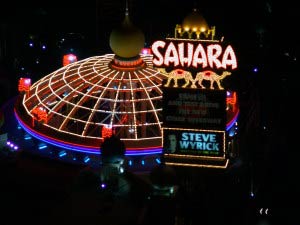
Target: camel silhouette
{"points": [[212, 77], [178, 74]]}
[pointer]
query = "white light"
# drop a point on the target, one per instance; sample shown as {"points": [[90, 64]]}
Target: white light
{"points": [[27, 81], [171, 190], [71, 57]]}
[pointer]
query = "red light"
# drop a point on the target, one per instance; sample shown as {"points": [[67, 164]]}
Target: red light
{"points": [[231, 100], [69, 58], [24, 85], [39, 114], [106, 131]]}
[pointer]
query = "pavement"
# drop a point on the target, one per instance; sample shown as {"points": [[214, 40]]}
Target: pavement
{"points": [[40, 191]]}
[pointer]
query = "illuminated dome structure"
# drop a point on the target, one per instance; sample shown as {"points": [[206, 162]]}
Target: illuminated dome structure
{"points": [[194, 26], [73, 109], [194, 21], [85, 99], [78, 105]]}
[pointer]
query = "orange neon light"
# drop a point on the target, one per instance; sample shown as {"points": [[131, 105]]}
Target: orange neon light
{"points": [[69, 58], [39, 114], [24, 85], [232, 100], [106, 132]]}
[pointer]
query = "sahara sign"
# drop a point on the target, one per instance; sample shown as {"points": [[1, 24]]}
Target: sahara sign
{"points": [[184, 54]]}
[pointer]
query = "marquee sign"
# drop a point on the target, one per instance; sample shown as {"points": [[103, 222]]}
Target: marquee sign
{"points": [[190, 108], [194, 100]]}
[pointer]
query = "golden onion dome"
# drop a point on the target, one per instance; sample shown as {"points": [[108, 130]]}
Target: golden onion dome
{"points": [[127, 40], [195, 22]]}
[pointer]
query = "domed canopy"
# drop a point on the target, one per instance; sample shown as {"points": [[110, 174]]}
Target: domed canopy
{"points": [[195, 22], [127, 40], [84, 100]]}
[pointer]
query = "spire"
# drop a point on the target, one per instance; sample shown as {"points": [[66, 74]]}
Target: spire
{"points": [[126, 21], [126, 10], [127, 40]]}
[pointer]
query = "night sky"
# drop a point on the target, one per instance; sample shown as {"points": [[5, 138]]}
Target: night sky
{"points": [[261, 32]]}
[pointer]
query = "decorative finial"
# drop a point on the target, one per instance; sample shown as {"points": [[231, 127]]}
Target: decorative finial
{"points": [[126, 10]]}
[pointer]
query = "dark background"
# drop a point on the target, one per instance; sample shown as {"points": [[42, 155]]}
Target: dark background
{"points": [[261, 32]]}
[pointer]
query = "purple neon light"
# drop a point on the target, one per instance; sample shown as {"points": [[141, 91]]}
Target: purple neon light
{"points": [[232, 122], [80, 148]]}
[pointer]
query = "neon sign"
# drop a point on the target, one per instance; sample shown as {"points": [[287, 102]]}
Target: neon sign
{"points": [[193, 142], [107, 131], [199, 141], [180, 53], [211, 77], [24, 85], [39, 114]]}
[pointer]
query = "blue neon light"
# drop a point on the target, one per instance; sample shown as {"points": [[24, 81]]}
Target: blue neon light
{"points": [[158, 160], [86, 159], [42, 146], [62, 153], [232, 122], [73, 147]]}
